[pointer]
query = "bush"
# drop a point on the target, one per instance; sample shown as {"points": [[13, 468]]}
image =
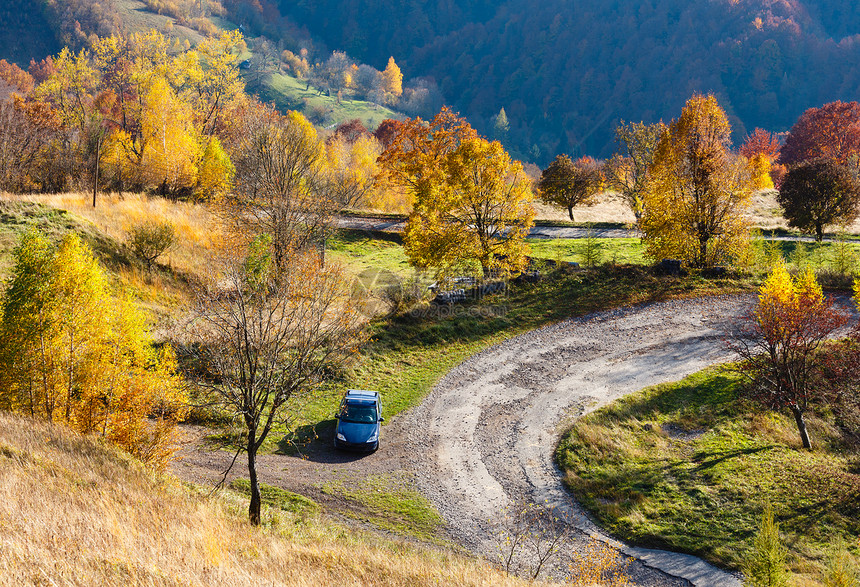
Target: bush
{"points": [[150, 240]]}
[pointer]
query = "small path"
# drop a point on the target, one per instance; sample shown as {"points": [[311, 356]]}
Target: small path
{"points": [[552, 232]]}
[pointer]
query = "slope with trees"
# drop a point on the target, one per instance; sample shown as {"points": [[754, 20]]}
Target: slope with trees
{"points": [[566, 73]]}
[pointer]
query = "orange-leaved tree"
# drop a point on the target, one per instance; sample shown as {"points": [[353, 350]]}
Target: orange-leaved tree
{"points": [[472, 203], [779, 341], [74, 353], [761, 148], [829, 132]]}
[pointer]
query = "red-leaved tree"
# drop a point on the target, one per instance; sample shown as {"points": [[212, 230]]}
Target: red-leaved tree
{"points": [[779, 340], [829, 132]]}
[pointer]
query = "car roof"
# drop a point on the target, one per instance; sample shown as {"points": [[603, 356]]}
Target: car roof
{"points": [[362, 394]]}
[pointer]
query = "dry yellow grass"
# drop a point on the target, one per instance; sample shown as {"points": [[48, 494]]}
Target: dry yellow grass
{"points": [[196, 228], [73, 512]]}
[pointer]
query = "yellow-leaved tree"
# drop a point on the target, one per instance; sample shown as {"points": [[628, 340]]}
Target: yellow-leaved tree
{"points": [[697, 190], [392, 79], [75, 354], [171, 146], [779, 341]]}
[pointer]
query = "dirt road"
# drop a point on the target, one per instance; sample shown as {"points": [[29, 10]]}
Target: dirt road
{"points": [[487, 432], [485, 435]]}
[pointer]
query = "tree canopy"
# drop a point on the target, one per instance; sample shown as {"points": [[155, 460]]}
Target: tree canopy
{"points": [[818, 193], [697, 190], [472, 203], [568, 184]]}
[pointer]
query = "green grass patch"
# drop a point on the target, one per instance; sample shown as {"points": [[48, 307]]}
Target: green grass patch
{"points": [[290, 93], [387, 501], [623, 251], [363, 252], [689, 466], [279, 498]]}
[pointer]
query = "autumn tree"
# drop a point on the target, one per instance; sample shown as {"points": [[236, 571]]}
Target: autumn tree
{"points": [[387, 131], [392, 80], [627, 172], [350, 131], [282, 183], [697, 190], [74, 353], [481, 211], [213, 79], [14, 79], [172, 147], [762, 149], [28, 133], [215, 171], [829, 132], [471, 202], [271, 334], [779, 342], [353, 168], [568, 184], [818, 193]]}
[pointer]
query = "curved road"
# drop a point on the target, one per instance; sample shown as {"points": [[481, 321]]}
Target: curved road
{"points": [[488, 430]]}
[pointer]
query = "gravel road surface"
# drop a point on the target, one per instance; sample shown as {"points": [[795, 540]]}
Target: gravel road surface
{"points": [[486, 434]]}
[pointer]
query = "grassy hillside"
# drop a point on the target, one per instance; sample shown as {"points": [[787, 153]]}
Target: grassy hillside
{"points": [[290, 93], [690, 466], [75, 512]]}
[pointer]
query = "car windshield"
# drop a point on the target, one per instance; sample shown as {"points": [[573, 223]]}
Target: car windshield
{"points": [[358, 413]]}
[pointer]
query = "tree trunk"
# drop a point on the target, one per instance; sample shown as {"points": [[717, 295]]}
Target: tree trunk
{"points": [[570, 212], [703, 251], [98, 160], [801, 427], [819, 232], [254, 507]]}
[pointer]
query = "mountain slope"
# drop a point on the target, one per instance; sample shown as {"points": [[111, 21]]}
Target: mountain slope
{"points": [[567, 71], [25, 32]]}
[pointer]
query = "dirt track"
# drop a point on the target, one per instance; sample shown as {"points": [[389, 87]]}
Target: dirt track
{"points": [[486, 433], [489, 428]]}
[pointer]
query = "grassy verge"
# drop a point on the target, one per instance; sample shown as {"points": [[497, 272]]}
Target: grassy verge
{"points": [[388, 502], [689, 466], [623, 251]]}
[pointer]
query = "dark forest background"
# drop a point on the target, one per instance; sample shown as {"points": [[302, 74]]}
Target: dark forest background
{"points": [[565, 71]]}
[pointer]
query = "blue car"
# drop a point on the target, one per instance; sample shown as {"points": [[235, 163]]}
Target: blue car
{"points": [[358, 421]]}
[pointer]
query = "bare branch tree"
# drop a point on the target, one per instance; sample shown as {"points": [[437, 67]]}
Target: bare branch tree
{"points": [[528, 535], [281, 183], [271, 333]]}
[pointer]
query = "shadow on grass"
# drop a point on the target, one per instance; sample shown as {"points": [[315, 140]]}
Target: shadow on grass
{"points": [[709, 460]]}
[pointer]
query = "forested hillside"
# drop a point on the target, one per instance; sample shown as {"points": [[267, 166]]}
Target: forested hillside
{"points": [[567, 72], [25, 32]]}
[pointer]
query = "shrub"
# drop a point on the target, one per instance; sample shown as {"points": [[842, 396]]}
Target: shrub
{"points": [[149, 240]]}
